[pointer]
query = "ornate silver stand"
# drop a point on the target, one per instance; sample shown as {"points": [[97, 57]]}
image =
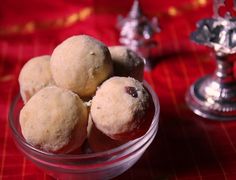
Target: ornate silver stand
{"points": [[214, 96], [136, 31]]}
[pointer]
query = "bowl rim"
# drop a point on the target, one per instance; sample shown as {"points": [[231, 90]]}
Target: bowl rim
{"points": [[115, 150]]}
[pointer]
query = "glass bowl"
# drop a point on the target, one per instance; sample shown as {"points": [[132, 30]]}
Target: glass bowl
{"points": [[102, 165]]}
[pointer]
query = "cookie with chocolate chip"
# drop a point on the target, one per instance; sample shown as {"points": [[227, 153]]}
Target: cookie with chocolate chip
{"points": [[119, 108]]}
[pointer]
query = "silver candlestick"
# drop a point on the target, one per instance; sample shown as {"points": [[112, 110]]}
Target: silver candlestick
{"points": [[137, 31], [214, 96]]}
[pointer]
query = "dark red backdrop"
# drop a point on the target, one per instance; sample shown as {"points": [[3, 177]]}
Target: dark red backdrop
{"points": [[186, 146]]}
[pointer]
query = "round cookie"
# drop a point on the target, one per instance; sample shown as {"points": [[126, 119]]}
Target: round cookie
{"points": [[81, 63], [54, 120], [126, 62], [35, 75], [119, 108]]}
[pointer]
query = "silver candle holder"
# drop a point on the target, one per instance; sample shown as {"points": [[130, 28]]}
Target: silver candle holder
{"points": [[136, 31], [214, 96]]}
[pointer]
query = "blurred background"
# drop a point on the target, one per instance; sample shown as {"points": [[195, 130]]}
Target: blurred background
{"points": [[186, 146]]}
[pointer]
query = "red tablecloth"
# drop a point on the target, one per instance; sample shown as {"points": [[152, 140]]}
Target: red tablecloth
{"points": [[186, 146]]}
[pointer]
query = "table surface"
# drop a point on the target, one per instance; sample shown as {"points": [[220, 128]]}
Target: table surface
{"points": [[186, 146]]}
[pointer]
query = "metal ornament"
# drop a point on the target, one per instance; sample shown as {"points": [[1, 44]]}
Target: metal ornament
{"points": [[214, 96], [137, 31]]}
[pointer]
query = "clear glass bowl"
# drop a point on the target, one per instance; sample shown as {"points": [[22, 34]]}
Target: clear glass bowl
{"points": [[102, 165]]}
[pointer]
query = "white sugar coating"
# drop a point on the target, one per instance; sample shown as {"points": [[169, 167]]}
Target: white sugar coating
{"points": [[54, 120], [35, 75], [119, 108], [127, 62], [81, 63]]}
